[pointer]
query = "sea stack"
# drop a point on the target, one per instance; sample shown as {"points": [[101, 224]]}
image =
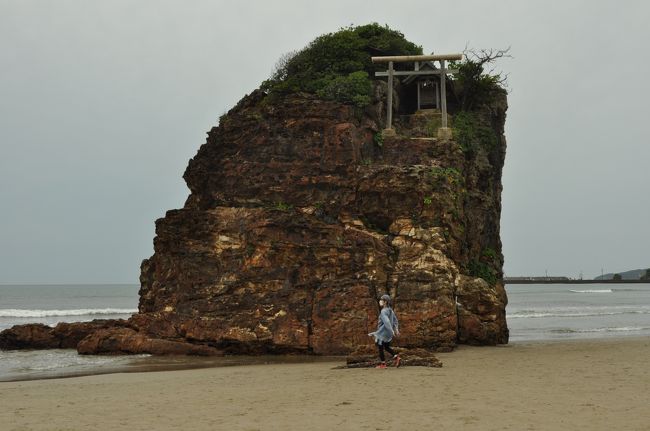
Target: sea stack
{"points": [[303, 211]]}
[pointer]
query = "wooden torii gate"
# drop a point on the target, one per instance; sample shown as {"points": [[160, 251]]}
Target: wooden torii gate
{"points": [[443, 71]]}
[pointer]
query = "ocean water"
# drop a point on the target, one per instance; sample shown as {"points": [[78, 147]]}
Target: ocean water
{"points": [[534, 312], [51, 304], [570, 311]]}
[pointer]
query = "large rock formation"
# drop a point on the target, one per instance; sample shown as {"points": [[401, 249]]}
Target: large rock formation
{"points": [[300, 217], [301, 214]]}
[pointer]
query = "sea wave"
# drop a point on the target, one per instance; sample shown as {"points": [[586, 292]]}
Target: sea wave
{"points": [[591, 330], [12, 312], [566, 313], [591, 291]]}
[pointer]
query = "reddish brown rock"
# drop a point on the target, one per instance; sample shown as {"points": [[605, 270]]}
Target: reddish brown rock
{"points": [[129, 341], [300, 216], [30, 336], [481, 311], [298, 220], [62, 336]]}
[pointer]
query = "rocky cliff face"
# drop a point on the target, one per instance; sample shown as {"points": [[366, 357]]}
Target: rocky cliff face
{"points": [[301, 215]]}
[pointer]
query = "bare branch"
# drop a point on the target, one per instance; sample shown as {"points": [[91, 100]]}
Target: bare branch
{"points": [[485, 56], [478, 78]]}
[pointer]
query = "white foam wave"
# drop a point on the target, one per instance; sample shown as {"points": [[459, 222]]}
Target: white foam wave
{"points": [[12, 312], [592, 291], [592, 330], [541, 314]]}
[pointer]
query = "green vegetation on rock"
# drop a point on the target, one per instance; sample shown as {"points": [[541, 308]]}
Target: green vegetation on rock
{"points": [[471, 132], [450, 175], [354, 88], [482, 270], [378, 138], [281, 206], [484, 266], [337, 66], [473, 85]]}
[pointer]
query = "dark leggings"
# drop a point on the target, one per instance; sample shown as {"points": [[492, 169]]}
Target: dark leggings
{"points": [[382, 347]]}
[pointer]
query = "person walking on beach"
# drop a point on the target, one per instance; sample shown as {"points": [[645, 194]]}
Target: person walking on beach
{"points": [[387, 328]]}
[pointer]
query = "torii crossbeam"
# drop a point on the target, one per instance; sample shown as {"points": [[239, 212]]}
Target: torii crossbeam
{"points": [[443, 71]]}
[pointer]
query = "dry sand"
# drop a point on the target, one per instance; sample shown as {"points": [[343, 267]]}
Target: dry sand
{"points": [[590, 385]]}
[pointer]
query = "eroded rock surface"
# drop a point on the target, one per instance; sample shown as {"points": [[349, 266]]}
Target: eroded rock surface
{"points": [[299, 219], [62, 336], [129, 341], [300, 216]]}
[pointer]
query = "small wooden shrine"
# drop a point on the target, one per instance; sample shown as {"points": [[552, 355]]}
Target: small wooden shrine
{"points": [[431, 92]]}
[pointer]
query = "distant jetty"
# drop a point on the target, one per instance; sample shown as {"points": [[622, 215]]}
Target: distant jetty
{"points": [[564, 280]]}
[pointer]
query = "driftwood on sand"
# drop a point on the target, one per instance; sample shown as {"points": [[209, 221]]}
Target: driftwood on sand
{"points": [[409, 358]]}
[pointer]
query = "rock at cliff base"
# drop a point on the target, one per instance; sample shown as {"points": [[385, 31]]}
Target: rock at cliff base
{"points": [[129, 341], [62, 336], [30, 336]]}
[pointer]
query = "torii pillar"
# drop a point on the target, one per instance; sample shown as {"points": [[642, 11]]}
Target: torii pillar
{"points": [[444, 131]]}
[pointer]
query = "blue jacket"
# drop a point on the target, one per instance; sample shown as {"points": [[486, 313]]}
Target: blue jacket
{"points": [[387, 325]]}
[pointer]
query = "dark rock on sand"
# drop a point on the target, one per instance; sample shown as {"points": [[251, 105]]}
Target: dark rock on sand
{"points": [[130, 341], [62, 336]]}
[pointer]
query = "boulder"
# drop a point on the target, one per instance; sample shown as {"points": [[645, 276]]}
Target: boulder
{"points": [[62, 336], [129, 341], [29, 336]]}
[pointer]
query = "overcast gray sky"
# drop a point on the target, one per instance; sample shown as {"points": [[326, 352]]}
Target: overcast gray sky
{"points": [[102, 104]]}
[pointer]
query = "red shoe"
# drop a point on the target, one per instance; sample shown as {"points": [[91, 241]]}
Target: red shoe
{"points": [[382, 366], [397, 360]]}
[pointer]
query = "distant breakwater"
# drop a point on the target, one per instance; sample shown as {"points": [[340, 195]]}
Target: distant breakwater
{"points": [[564, 281]]}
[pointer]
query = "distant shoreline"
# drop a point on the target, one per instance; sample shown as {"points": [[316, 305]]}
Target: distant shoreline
{"points": [[543, 281]]}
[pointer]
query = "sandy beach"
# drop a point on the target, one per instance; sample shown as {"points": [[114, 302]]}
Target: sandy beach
{"points": [[593, 384]]}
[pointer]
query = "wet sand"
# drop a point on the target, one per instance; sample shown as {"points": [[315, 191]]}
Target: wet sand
{"points": [[574, 385], [140, 364]]}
